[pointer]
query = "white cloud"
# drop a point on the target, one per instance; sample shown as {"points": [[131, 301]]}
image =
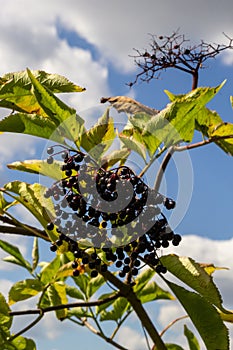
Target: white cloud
{"points": [[131, 339]]}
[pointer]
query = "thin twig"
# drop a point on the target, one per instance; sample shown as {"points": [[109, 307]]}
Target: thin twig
{"points": [[172, 323], [163, 167], [64, 306], [202, 143], [32, 324], [103, 336]]}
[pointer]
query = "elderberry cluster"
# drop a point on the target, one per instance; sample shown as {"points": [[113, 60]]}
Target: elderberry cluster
{"points": [[112, 212]]}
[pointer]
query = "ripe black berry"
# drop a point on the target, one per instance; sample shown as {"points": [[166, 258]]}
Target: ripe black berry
{"points": [[50, 226]]}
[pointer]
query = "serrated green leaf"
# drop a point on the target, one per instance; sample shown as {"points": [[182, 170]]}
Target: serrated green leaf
{"points": [[32, 198], [36, 166], [152, 291], [133, 145], [65, 270], [55, 109], [57, 296], [195, 276], [11, 259], [54, 82], [94, 284], [192, 340], [24, 290], [5, 319], [74, 292], [224, 130], [49, 271], [142, 279], [31, 124], [115, 156], [177, 121], [35, 254], [119, 307], [82, 282], [15, 253], [204, 316], [99, 138]]}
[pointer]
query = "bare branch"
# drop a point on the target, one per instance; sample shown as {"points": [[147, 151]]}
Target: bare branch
{"points": [[174, 52]]}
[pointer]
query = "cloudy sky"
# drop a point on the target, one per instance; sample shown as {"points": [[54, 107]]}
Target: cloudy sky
{"points": [[90, 43]]}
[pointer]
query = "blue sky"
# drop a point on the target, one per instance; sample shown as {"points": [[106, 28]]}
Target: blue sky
{"points": [[90, 43]]}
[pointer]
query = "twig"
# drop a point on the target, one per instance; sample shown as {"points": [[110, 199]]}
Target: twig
{"points": [[103, 336], [64, 306], [32, 324], [172, 323], [162, 168], [119, 324], [202, 143]]}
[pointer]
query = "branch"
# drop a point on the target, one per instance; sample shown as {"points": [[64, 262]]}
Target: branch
{"points": [[24, 230], [163, 167], [64, 306], [26, 328], [202, 143], [127, 292]]}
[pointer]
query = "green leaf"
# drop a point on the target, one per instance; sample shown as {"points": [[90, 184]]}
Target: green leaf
{"points": [[224, 130], [152, 291], [4, 204], [204, 316], [54, 82], [142, 279], [16, 254], [115, 156], [195, 276], [82, 281], [36, 166], [49, 271], [24, 290], [192, 340], [65, 270], [57, 296], [105, 305], [134, 145], [31, 124], [79, 312], [99, 138], [21, 343], [94, 284], [170, 346], [74, 292], [177, 121], [5, 319], [35, 254], [57, 110], [32, 198], [119, 307]]}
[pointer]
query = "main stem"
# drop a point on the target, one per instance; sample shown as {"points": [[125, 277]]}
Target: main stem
{"points": [[127, 292]]}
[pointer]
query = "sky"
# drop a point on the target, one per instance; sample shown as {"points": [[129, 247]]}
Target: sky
{"points": [[90, 43]]}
